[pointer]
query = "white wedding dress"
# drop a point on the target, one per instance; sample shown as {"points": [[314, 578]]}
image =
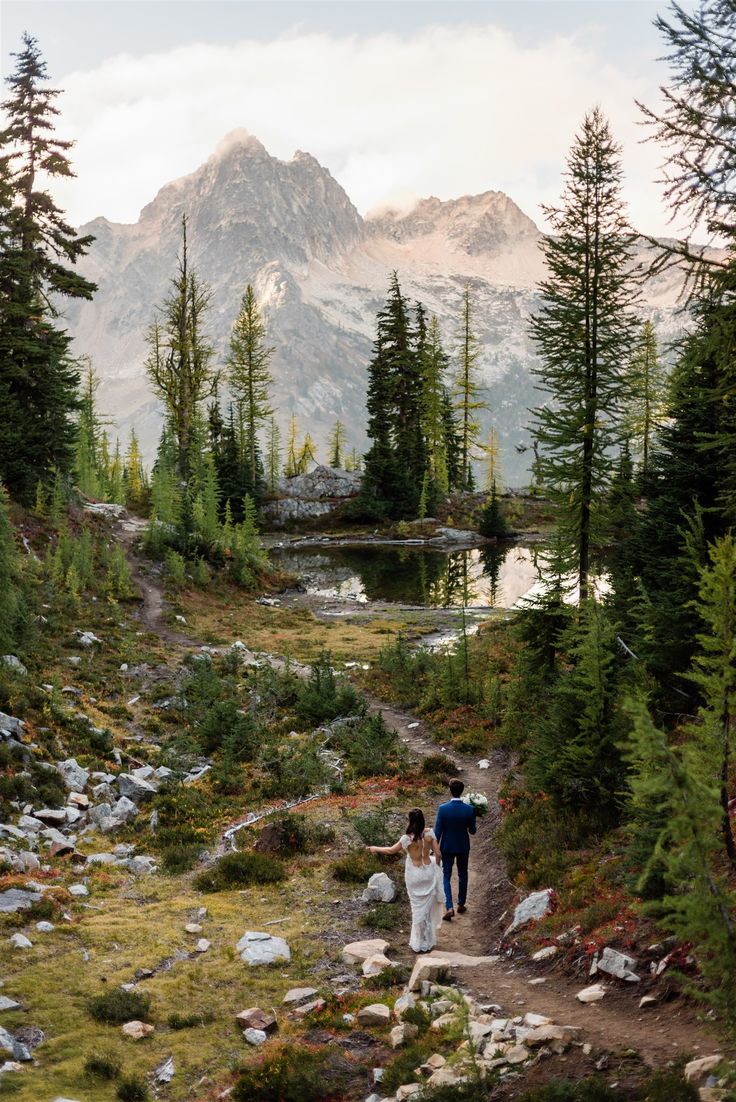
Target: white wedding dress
{"points": [[426, 895]]}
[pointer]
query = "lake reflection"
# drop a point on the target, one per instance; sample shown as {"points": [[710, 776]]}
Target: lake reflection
{"points": [[494, 576]]}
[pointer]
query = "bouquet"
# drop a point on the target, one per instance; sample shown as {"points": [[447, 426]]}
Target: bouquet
{"points": [[478, 802]]}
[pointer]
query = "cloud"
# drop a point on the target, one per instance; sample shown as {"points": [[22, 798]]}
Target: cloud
{"points": [[445, 111]]}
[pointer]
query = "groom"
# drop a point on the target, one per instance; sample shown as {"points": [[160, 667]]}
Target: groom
{"points": [[455, 823]]}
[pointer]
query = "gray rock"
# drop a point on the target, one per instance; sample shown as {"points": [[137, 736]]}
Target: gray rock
{"points": [[55, 837], [531, 909], [44, 927], [51, 815], [374, 1014], [164, 1073], [100, 812], [20, 941], [140, 866], [78, 890], [102, 859], [8, 1004], [104, 793], [298, 995], [256, 947], [12, 662], [75, 778], [321, 483], [11, 727], [255, 1036], [134, 788], [29, 823], [286, 510], [124, 810], [16, 899], [381, 889], [10, 831], [616, 964], [16, 1049], [87, 638]]}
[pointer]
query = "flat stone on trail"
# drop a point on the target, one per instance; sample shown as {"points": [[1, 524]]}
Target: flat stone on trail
{"points": [[358, 951], [531, 909], [428, 967], [255, 1018], [255, 947], [297, 995], [137, 1030], [381, 889], [592, 994], [375, 1014]]}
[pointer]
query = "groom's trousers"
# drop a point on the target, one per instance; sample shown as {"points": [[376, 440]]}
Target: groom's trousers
{"points": [[448, 860]]}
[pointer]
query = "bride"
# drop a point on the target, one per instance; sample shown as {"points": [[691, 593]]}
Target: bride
{"points": [[423, 874]]}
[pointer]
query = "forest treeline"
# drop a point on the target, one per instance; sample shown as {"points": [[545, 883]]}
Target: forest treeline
{"points": [[622, 697]]}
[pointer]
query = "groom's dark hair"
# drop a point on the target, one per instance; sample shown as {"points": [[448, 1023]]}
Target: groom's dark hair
{"points": [[456, 787]]}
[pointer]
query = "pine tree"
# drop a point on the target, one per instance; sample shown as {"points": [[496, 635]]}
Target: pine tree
{"points": [[307, 454], [88, 469], [402, 354], [273, 456], [250, 381], [491, 452], [452, 443], [38, 379], [116, 480], [646, 395], [467, 392], [337, 445], [179, 362], [493, 523], [584, 332]]}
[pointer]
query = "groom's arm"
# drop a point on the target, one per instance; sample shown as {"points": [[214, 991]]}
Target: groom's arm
{"points": [[438, 825], [472, 825]]}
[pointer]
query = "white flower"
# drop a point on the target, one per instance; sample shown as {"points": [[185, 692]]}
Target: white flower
{"points": [[477, 801]]}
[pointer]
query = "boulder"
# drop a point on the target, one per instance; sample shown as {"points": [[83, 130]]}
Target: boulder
{"points": [[376, 964], [20, 941], [29, 824], [402, 1033], [592, 994], [14, 1047], [78, 799], [141, 865], [202, 945], [10, 727], [321, 482], [134, 788], [700, 1067], [315, 1006], [104, 793], [86, 638], [193, 928], [531, 909], [381, 889], [358, 951], [256, 947], [78, 890], [137, 1030], [545, 1034], [102, 859], [286, 510], [8, 1004], [17, 899], [295, 996], [51, 815], [100, 814], [517, 1054], [546, 953], [374, 1014], [403, 1003], [164, 1073], [407, 1091], [12, 662], [616, 964], [255, 1018], [124, 810], [428, 967], [75, 778], [44, 927]]}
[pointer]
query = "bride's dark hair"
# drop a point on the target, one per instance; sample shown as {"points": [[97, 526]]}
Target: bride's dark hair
{"points": [[416, 823]]}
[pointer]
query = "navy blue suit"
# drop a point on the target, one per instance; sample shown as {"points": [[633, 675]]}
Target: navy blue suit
{"points": [[453, 827]]}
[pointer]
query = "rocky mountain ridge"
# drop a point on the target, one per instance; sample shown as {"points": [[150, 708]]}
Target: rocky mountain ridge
{"points": [[320, 271]]}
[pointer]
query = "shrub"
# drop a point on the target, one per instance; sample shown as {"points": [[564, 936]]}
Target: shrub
{"points": [[372, 827], [355, 867], [440, 766], [295, 1073], [132, 1089], [292, 771], [370, 747], [400, 1070], [188, 1021], [288, 834], [175, 569], [103, 1065], [393, 976], [384, 916], [117, 1007], [238, 869], [323, 697], [456, 1092], [176, 859]]}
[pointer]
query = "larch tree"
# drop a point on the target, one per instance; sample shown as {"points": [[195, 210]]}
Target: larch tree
{"points": [[273, 455], [179, 363], [646, 395], [467, 391], [291, 467], [435, 364], [492, 457], [38, 249], [336, 445], [135, 477], [584, 331], [250, 382]]}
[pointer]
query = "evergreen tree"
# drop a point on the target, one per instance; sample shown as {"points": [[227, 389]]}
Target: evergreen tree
{"points": [[452, 443], [135, 477], [250, 381], [307, 454], [116, 480], [273, 455], [435, 364], [379, 487], [291, 467], [467, 392], [584, 332], [491, 451], [337, 445], [38, 379], [9, 587], [402, 354], [646, 395], [88, 469], [493, 523], [179, 362]]}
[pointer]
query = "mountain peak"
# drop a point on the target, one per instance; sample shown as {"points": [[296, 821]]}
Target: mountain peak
{"points": [[474, 224], [240, 138]]}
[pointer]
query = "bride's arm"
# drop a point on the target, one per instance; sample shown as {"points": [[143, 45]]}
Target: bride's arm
{"points": [[385, 849], [437, 850]]}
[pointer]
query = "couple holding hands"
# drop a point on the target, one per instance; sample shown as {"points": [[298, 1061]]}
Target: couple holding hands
{"points": [[431, 856]]}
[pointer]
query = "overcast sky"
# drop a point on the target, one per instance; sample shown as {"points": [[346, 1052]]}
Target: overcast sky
{"points": [[398, 99]]}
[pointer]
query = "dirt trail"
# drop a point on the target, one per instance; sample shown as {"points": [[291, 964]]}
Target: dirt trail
{"points": [[659, 1033]]}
